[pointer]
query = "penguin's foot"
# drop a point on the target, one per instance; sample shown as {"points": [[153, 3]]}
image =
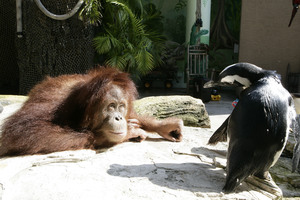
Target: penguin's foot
{"points": [[263, 175], [266, 184]]}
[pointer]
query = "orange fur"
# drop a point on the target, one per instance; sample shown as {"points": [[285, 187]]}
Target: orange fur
{"points": [[57, 115]]}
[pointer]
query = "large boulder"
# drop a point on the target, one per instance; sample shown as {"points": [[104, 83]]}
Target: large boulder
{"points": [[153, 169], [191, 110], [282, 174]]}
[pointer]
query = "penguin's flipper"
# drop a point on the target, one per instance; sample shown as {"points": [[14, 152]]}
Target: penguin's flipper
{"points": [[220, 135], [296, 153]]}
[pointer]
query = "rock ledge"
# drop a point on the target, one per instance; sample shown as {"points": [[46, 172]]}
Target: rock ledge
{"points": [[191, 110]]}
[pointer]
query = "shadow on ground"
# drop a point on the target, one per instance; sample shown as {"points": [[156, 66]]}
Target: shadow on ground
{"points": [[194, 177]]}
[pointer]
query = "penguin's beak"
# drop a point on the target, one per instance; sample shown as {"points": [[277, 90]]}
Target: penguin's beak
{"points": [[210, 84]]}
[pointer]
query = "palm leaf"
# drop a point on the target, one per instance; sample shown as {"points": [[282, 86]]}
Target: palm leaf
{"points": [[91, 11], [128, 45], [102, 44], [107, 43], [136, 24], [130, 62], [144, 61], [131, 37], [116, 61]]}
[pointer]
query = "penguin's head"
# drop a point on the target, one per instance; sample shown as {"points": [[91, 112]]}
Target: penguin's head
{"points": [[242, 74]]}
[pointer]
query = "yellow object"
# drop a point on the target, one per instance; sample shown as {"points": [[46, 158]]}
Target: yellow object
{"points": [[147, 85], [168, 85], [215, 97]]}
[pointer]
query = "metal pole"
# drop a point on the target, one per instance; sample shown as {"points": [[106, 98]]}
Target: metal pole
{"points": [[19, 18]]}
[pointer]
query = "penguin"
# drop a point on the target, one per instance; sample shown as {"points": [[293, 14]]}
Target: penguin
{"points": [[259, 125]]}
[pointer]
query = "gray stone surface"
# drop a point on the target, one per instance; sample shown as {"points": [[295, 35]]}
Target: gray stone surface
{"points": [[153, 169], [191, 110], [11, 99]]}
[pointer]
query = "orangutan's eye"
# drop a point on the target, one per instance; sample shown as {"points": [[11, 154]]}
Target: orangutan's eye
{"points": [[122, 107], [111, 107]]}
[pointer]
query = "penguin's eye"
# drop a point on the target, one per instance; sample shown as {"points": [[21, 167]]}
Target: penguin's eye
{"points": [[290, 101]]}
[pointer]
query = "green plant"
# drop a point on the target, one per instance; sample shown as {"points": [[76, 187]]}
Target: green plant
{"points": [[127, 37], [91, 11]]}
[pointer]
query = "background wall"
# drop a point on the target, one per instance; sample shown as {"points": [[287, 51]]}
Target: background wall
{"points": [[224, 33], [265, 38], [174, 19]]}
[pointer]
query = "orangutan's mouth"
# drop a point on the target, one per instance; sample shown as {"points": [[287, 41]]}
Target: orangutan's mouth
{"points": [[117, 133]]}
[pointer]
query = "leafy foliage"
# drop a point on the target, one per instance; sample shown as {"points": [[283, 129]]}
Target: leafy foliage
{"points": [[130, 37], [90, 11]]}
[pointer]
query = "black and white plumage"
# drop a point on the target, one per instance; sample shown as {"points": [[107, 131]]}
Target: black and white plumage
{"points": [[259, 125]]}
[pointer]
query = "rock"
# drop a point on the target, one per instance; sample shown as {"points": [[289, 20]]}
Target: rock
{"points": [[10, 104], [153, 169], [11, 99], [191, 110], [297, 103], [290, 144], [282, 174]]}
